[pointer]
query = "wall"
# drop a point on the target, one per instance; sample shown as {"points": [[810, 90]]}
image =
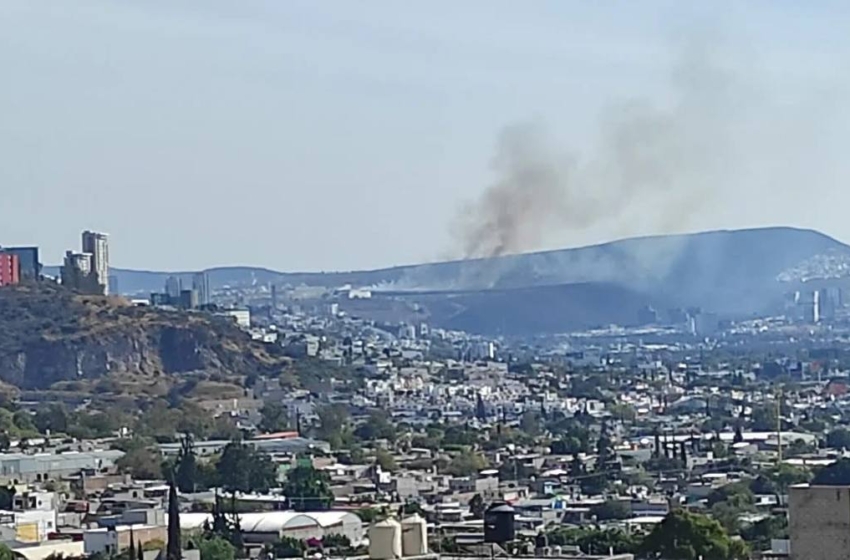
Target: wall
{"points": [[819, 522]]}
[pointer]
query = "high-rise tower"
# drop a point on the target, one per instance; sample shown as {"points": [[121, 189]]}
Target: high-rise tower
{"points": [[97, 244]]}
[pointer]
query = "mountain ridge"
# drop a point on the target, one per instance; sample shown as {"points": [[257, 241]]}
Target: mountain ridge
{"points": [[140, 280]]}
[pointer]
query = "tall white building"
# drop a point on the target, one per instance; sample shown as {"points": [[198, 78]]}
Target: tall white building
{"points": [[201, 284], [97, 244]]}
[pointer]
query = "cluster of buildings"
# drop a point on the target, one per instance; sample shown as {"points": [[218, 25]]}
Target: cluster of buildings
{"points": [[87, 271], [180, 297]]}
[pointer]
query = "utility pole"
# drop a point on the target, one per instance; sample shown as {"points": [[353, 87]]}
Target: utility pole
{"points": [[779, 423]]}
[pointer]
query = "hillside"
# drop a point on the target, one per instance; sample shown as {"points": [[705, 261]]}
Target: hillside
{"points": [[49, 335], [734, 273]]}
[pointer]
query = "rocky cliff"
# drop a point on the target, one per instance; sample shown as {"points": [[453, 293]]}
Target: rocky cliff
{"points": [[48, 335]]}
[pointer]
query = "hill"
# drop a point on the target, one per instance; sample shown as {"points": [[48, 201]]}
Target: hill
{"points": [[734, 273], [50, 336]]}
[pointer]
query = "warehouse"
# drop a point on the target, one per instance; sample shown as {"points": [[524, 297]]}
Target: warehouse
{"points": [[265, 527]]}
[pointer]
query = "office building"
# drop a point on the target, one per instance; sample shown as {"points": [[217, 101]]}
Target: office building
{"points": [[97, 245], [188, 299], [9, 269], [201, 284], [78, 274], [173, 287], [819, 522], [28, 261]]}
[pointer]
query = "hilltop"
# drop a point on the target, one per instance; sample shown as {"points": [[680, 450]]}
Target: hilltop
{"points": [[52, 337]]}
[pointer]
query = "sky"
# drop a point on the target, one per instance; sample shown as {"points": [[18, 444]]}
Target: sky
{"points": [[338, 135]]}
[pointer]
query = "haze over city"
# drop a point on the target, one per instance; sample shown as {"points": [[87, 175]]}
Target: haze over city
{"points": [[326, 136]]}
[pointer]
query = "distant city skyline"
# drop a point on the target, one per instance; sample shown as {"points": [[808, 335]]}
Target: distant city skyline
{"points": [[305, 136]]}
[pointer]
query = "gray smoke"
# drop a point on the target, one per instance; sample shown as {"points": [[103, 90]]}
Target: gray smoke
{"points": [[665, 159]]}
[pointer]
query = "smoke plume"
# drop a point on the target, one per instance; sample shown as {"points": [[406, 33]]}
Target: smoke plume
{"points": [[666, 159]]}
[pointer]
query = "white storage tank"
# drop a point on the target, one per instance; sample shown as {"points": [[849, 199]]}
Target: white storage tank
{"points": [[414, 537], [385, 540]]}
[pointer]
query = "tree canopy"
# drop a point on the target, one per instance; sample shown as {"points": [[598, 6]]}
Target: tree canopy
{"points": [[241, 468], [308, 489], [689, 536]]}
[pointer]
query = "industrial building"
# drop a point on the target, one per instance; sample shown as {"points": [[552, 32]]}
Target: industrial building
{"points": [[19, 468], [267, 527]]}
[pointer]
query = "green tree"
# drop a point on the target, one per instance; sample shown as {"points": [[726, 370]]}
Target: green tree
{"points": [[530, 423], [143, 463], [216, 548], [308, 489], [6, 553], [611, 510], [186, 475], [595, 541], [477, 506], [836, 474], [376, 426], [273, 418], [385, 460], [838, 438], [52, 418], [241, 468], [334, 425], [688, 536], [760, 534], [467, 464], [764, 418], [173, 550]]}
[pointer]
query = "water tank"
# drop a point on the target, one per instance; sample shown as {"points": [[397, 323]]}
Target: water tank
{"points": [[385, 540], [414, 536], [499, 523]]}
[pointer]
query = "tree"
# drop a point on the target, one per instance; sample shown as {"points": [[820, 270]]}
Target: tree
{"points": [[385, 460], [467, 464], [765, 418], [838, 438], [216, 548], [477, 506], [173, 549], [611, 510], [376, 426], [186, 475], [308, 489], [760, 534], [784, 475], [333, 425], [142, 462], [7, 498], [273, 418], [688, 536], [241, 468], [6, 553], [595, 541], [53, 418], [836, 474], [530, 423]]}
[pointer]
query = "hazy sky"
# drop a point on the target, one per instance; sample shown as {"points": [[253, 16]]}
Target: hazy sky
{"points": [[305, 134]]}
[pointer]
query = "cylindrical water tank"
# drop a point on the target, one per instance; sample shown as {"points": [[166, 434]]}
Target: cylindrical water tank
{"points": [[499, 523], [414, 536], [385, 540]]}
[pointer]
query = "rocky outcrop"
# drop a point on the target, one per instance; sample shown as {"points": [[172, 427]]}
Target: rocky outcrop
{"points": [[50, 335]]}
